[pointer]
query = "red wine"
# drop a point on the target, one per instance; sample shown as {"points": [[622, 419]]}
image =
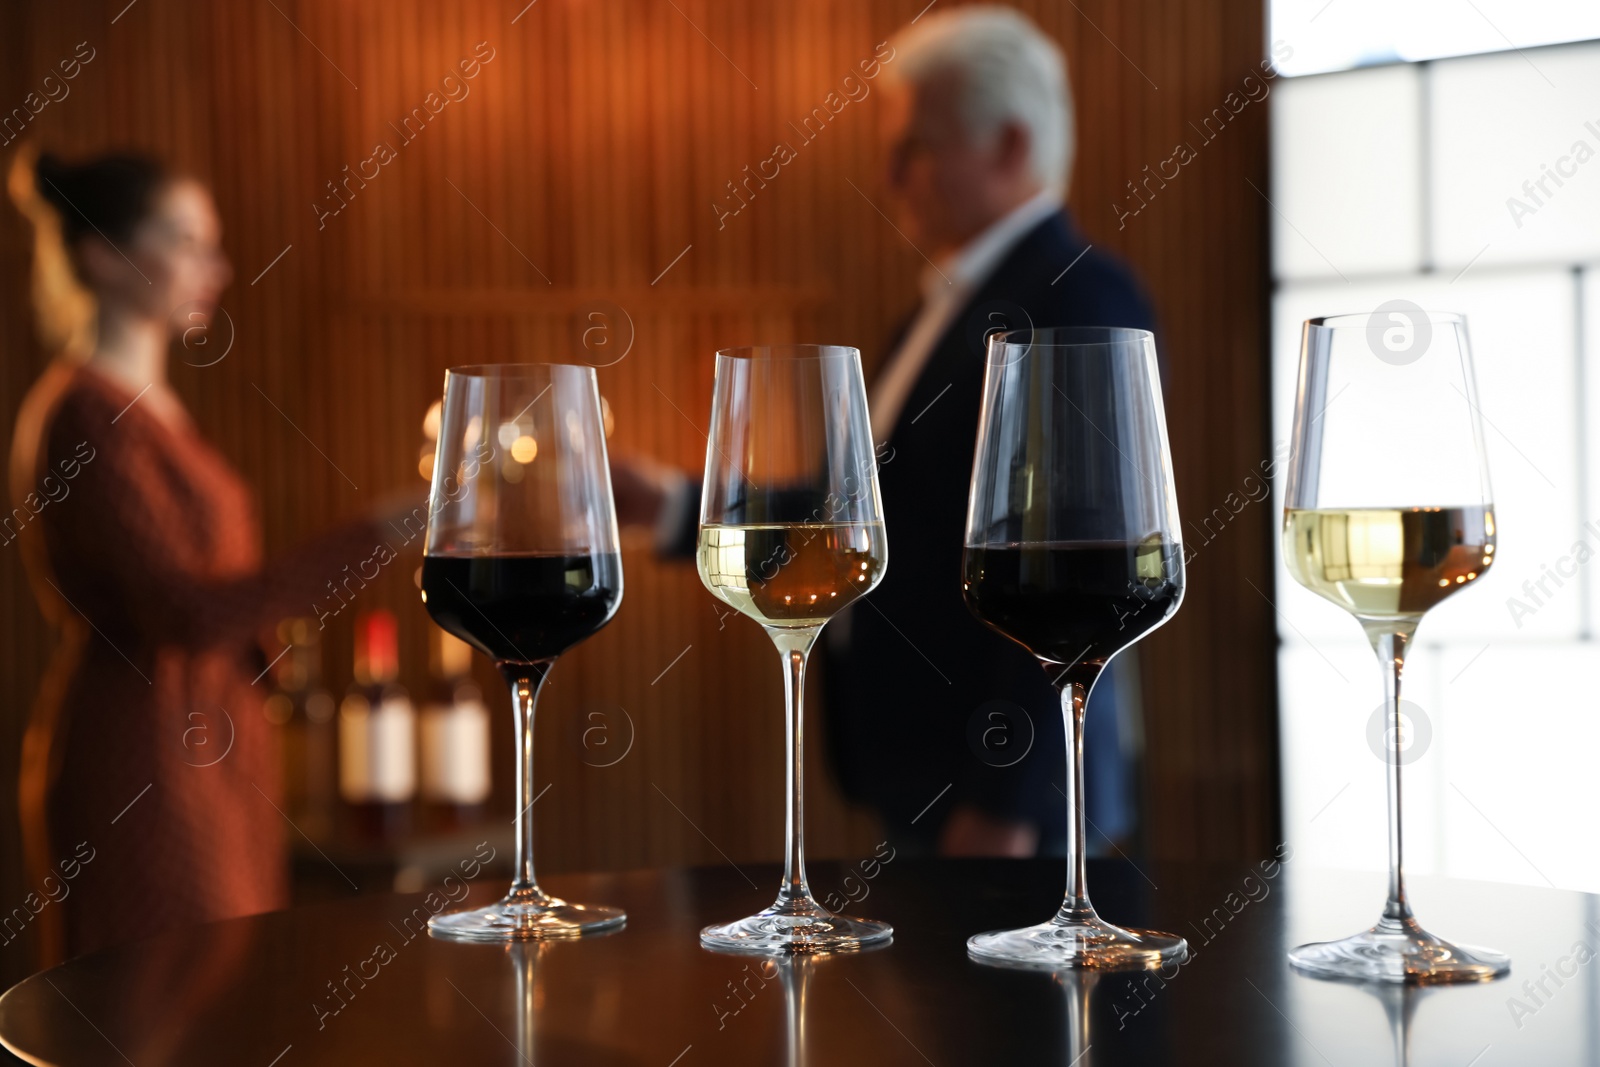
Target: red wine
{"points": [[522, 608], [1074, 602]]}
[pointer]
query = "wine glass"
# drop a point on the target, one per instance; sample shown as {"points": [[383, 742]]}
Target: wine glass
{"points": [[791, 532], [521, 563], [1387, 511], [1073, 550]]}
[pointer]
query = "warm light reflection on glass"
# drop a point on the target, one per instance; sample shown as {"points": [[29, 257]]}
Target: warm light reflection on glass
{"points": [[430, 432], [575, 432], [523, 448]]}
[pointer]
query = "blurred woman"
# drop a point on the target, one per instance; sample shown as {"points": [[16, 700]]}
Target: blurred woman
{"points": [[149, 789]]}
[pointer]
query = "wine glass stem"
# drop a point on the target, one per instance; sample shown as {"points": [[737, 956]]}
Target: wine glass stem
{"points": [[794, 648], [1391, 650], [526, 683], [1076, 907]]}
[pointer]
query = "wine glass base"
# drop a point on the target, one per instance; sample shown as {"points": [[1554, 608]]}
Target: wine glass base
{"points": [[795, 931], [1093, 945], [1399, 952], [542, 919]]}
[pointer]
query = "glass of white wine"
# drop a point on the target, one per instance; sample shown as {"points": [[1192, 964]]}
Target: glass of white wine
{"points": [[1388, 512], [791, 532]]}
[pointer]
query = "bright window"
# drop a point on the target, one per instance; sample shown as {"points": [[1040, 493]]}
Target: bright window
{"points": [[1409, 201], [1329, 35]]}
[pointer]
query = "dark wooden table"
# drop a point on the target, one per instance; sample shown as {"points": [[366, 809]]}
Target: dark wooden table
{"points": [[261, 991]]}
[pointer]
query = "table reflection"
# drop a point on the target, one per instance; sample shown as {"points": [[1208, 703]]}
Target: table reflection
{"points": [[1400, 1008], [525, 964], [1077, 990], [182, 987], [547, 1006], [799, 977], [795, 974], [246, 990]]}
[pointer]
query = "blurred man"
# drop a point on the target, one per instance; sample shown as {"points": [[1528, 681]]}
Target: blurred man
{"points": [[929, 712]]}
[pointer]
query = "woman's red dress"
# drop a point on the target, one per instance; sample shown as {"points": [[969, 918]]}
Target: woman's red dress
{"points": [[148, 748]]}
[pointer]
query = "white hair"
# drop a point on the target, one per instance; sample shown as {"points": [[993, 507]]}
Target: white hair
{"points": [[1005, 70]]}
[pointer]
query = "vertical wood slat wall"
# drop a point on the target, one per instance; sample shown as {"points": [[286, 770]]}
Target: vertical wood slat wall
{"points": [[585, 158]]}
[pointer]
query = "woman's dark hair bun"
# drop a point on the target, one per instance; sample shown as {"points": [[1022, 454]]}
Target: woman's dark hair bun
{"points": [[108, 195]]}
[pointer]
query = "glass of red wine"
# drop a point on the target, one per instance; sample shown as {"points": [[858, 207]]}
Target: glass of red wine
{"points": [[1073, 550], [521, 562]]}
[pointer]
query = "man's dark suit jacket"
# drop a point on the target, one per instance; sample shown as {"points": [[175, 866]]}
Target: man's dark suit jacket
{"points": [[903, 690]]}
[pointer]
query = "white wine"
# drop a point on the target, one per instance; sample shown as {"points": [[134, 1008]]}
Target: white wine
{"points": [[1388, 563], [792, 575]]}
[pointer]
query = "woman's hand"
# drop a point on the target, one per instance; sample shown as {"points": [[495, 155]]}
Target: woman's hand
{"points": [[402, 517]]}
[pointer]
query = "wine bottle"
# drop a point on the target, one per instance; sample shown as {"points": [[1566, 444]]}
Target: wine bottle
{"points": [[455, 738], [302, 710], [377, 736]]}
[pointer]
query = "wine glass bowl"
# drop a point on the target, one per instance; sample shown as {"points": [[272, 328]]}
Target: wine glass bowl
{"points": [[791, 533], [521, 562], [1387, 512], [1074, 551]]}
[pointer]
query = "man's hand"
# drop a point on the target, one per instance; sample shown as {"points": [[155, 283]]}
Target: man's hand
{"points": [[640, 486], [971, 832]]}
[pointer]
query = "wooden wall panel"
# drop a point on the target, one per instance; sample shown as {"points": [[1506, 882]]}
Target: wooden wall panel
{"points": [[591, 149]]}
